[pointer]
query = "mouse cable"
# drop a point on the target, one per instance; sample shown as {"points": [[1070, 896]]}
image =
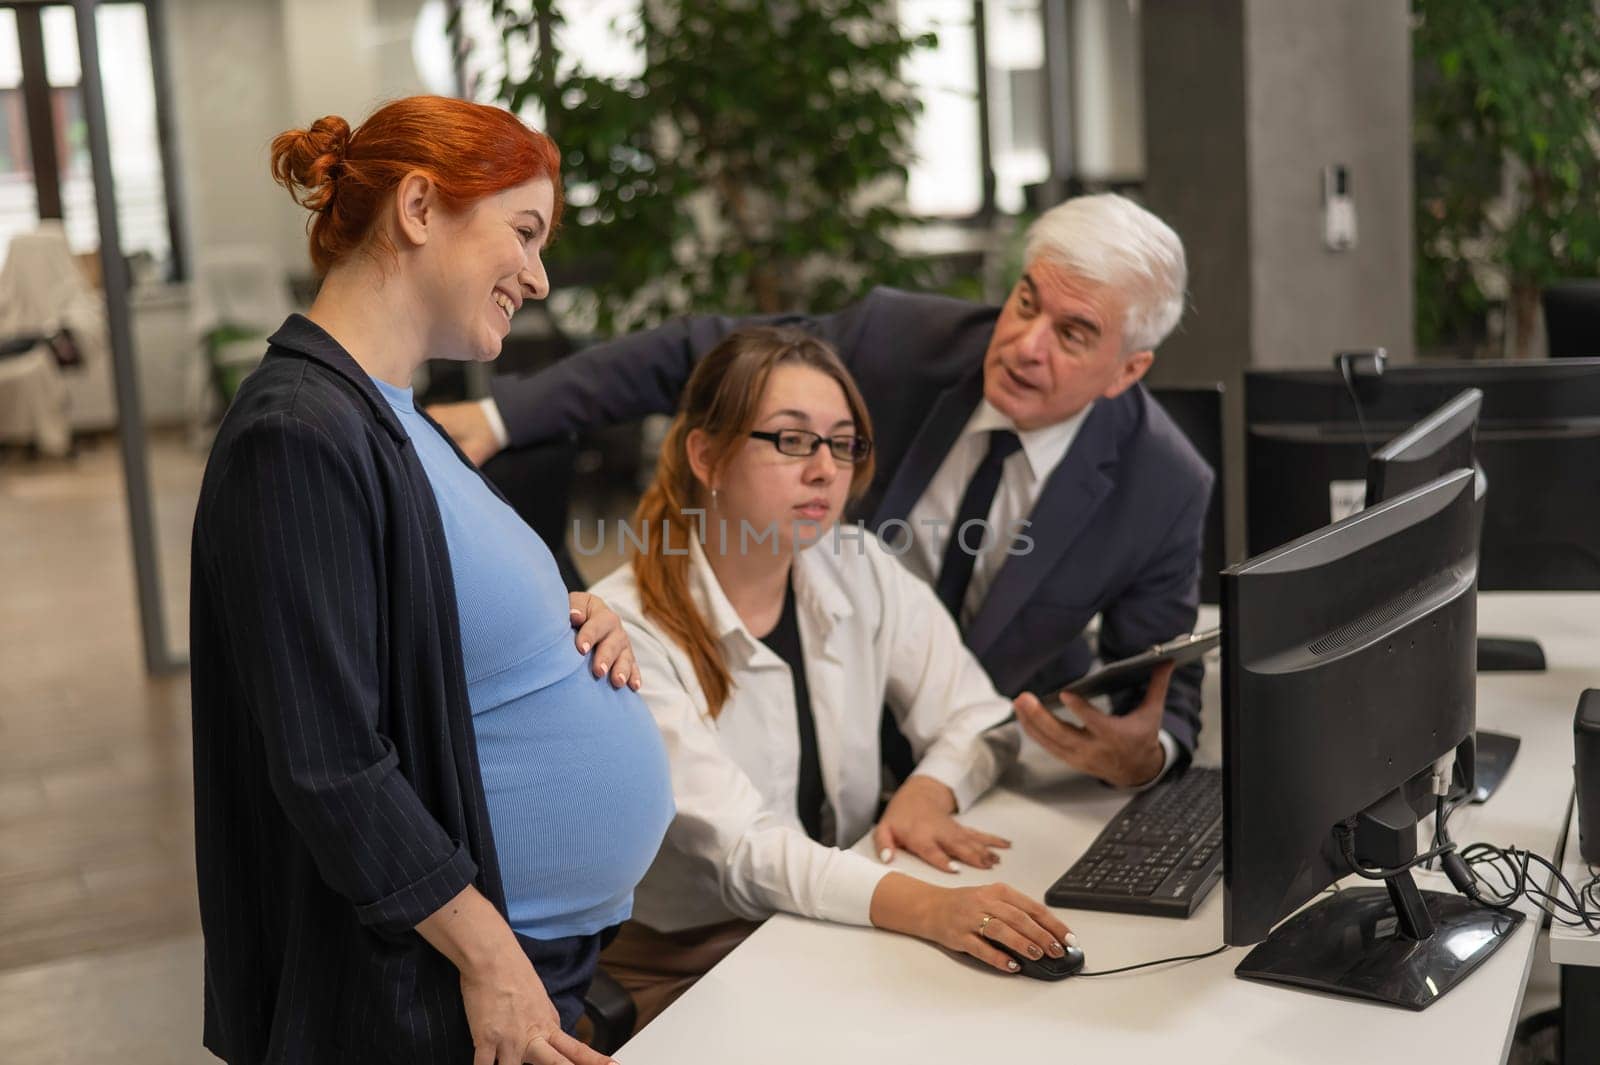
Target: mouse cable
{"points": [[1158, 961]]}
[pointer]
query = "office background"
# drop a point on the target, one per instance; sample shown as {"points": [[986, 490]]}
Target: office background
{"points": [[1229, 118]]}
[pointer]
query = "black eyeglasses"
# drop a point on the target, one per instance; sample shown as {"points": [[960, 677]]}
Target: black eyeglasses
{"points": [[802, 444]]}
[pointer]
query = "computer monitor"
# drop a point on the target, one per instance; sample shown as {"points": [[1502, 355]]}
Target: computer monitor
{"points": [[1538, 443], [1428, 450], [1439, 443], [1348, 679]]}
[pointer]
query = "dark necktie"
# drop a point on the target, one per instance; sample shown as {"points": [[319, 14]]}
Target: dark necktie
{"points": [[955, 573]]}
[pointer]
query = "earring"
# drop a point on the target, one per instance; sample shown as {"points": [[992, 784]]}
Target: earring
{"points": [[713, 499]]}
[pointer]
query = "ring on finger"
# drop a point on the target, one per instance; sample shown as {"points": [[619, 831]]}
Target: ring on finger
{"points": [[983, 924]]}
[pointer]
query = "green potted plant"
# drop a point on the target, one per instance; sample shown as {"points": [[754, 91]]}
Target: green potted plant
{"points": [[1507, 117], [755, 164]]}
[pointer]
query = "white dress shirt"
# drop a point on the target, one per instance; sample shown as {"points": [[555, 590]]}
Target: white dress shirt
{"points": [[1022, 478], [872, 632], [497, 424]]}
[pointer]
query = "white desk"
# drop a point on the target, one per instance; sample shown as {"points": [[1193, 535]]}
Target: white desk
{"points": [[1574, 946], [801, 991], [1577, 951]]}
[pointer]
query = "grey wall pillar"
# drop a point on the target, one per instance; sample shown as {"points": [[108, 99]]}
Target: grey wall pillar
{"points": [[1328, 82], [1196, 176], [1245, 103]]}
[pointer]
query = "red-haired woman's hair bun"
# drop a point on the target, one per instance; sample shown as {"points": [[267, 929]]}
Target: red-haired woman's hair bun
{"points": [[307, 162], [346, 177]]}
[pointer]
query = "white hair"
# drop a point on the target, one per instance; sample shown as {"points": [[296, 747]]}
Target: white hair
{"points": [[1112, 240]]}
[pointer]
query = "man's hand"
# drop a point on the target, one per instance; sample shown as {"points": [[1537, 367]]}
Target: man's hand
{"points": [[1124, 751], [466, 424], [918, 819]]}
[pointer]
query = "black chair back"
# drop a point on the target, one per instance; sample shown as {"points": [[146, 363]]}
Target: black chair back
{"points": [[1572, 318], [1197, 409]]}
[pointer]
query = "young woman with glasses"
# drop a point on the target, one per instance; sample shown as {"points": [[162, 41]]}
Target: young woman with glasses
{"points": [[772, 636]]}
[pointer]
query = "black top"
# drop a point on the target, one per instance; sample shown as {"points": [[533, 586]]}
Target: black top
{"points": [[784, 640], [337, 795]]}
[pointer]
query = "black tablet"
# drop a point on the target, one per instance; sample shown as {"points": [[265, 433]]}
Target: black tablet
{"points": [[1129, 672]]}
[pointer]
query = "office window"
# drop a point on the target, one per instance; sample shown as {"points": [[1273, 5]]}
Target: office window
{"points": [[946, 178], [13, 134], [1015, 56], [131, 124], [13, 114], [19, 201], [595, 35]]}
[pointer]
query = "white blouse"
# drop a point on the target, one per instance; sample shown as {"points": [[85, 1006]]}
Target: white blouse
{"points": [[872, 632]]}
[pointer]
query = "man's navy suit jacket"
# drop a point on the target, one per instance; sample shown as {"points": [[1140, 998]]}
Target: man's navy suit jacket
{"points": [[1117, 528]]}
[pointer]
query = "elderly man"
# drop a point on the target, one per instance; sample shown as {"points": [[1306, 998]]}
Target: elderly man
{"points": [[1029, 417]]}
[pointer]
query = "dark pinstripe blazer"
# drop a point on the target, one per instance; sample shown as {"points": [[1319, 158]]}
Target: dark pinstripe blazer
{"points": [[337, 795]]}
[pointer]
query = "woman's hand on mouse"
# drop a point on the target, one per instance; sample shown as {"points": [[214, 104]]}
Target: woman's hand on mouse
{"points": [[970, 920]]}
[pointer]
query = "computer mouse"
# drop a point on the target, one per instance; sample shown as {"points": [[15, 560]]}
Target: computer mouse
{"points": [[1047, 967]]}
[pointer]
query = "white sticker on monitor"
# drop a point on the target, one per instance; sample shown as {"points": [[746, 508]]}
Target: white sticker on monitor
{"points": [[1346, 498]]}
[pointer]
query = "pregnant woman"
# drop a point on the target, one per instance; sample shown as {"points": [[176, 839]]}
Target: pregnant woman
{"points": [[421, 800]]}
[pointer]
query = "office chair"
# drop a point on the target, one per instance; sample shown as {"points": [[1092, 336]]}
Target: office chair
{"points": [[43, 292], [1572, 317], [241, 296], [1197, 410], [611, 1012]]}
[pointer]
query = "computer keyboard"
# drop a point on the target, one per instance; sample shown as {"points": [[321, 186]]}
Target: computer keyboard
{"points": [[1160, 854]]}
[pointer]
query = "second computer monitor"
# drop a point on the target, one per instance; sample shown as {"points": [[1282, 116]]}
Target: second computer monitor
{"points": [[1433, 447], [1538, 441]]}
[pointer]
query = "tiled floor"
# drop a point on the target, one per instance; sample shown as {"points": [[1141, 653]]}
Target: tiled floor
{"points": [[139, 1006], [96, 824]]}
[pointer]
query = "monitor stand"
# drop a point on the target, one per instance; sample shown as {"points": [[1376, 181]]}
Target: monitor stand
{"points": [[1509, 654], [1399, 946], [1493, 754]]}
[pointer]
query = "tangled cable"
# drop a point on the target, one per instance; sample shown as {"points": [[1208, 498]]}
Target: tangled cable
{"points": [[1471, 868]]}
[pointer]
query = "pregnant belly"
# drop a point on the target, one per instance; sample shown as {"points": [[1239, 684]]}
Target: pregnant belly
{"points": [[579, 797]]}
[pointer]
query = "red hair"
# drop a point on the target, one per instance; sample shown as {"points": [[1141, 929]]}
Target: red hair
{"points": [[346, 177]]}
